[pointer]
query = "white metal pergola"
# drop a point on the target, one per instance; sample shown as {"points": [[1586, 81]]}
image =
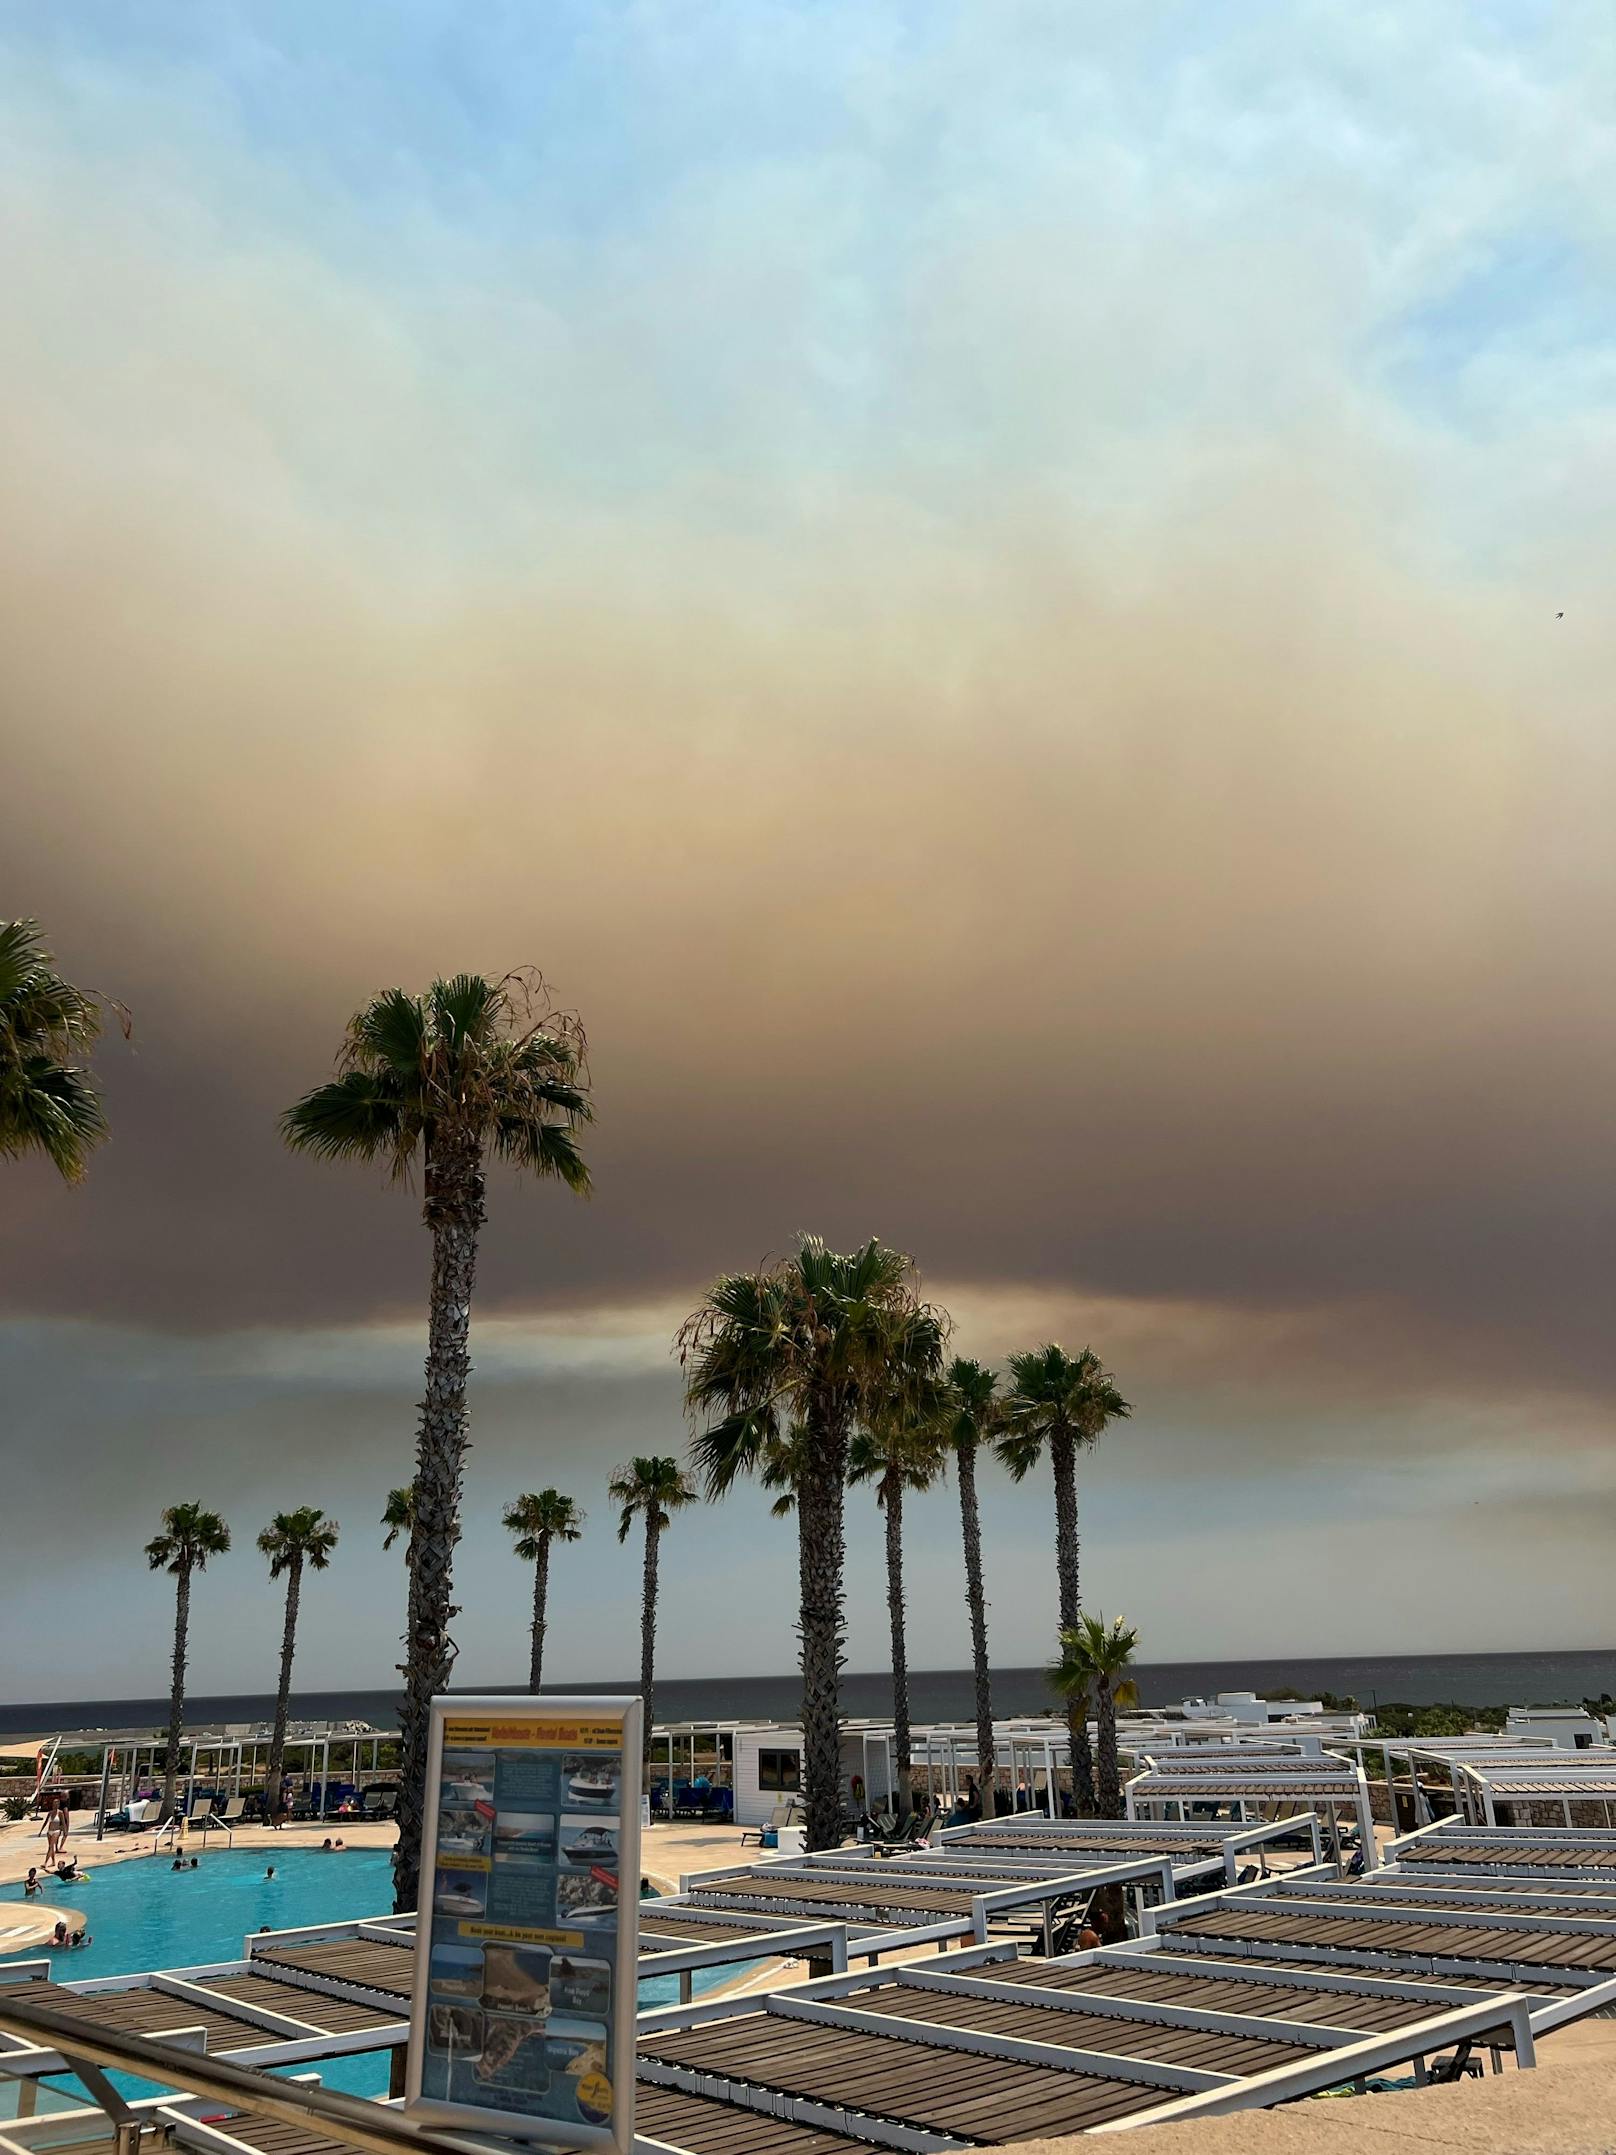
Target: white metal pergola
{"points": [[1239, 1779]]}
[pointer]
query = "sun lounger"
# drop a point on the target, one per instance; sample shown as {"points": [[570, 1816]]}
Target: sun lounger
{"points": [[231, 1815], [136, 1815], [783, 1814]]}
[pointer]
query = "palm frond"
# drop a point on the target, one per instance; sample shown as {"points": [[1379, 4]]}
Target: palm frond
{"points": [[398, 1513], [48, 1101], [359, 1116], [190, 1534], [486, 1060], [542, 1148], [466, 1010], [653, 1484], [731, 1448], [388, 1036], [51, 1108], [542, 1516], [303, 1536]]}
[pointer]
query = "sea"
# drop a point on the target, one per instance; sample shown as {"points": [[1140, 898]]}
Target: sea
{"points": [[1535, 1679]]}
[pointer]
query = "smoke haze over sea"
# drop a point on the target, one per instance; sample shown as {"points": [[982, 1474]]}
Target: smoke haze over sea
{"points": [[1012, 600], [938, 1694]]}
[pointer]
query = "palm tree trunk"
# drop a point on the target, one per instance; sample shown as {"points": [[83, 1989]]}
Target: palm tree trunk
{"points": [[901, 1740], [1063, 1457], [976, 1601], [648, 1594], [820, 1559], [277, 1741], [1108, 1778], [176, 1689], [454, 1212], [541, 1596]]}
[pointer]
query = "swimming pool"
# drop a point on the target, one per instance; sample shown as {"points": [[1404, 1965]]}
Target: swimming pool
{"points": [[143, 1914]]}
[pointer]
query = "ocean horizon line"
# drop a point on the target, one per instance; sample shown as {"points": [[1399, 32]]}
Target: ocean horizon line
{"points": [[1495, 1677]]}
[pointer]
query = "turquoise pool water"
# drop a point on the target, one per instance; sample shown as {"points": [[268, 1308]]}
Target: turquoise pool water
{"points": [[143, 1914]]}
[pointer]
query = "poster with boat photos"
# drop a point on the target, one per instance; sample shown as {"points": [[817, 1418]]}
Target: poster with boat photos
{"points": [[525, 1960]]}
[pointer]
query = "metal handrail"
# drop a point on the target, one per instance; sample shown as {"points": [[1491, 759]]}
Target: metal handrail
{"points": [[370, 2127]]}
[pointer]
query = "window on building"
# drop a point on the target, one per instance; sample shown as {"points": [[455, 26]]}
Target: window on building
{"points": [[779, 1769]]}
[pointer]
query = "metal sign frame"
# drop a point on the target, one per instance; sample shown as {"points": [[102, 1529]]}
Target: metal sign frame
{"points": [[544, 1723]]}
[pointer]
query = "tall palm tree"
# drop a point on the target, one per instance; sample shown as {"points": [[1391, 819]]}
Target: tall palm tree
{"points": [[537, 1520], [898, 1454], [291, 1540], [1063, 1402], [652, 1489], [1093, 1658], [472, 1070], [48, 1100], [189, 1536], [398, 1516], [781, 1366], [968, 1423]]}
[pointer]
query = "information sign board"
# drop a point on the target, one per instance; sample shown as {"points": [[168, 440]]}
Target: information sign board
{"points": [[527, 1941]]}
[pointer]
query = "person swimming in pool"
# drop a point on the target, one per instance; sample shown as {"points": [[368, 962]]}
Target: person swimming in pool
{"points": [[30, 1884], [270, 1872]]}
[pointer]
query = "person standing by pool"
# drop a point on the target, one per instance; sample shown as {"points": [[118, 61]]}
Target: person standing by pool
{"points": [[55, 1828]]}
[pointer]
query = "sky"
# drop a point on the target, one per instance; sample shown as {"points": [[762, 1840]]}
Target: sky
{"points": [[1010, 599]]}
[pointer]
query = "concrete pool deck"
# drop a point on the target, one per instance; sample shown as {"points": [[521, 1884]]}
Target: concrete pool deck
{"points": [[665, 1852], [23, 1843], [34, 1926]]}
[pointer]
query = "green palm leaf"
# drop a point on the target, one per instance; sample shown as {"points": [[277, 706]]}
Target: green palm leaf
{"points": [[48, 1101]]}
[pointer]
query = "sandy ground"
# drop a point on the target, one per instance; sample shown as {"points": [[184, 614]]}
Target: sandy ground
{"points": [[1560, 2109]]}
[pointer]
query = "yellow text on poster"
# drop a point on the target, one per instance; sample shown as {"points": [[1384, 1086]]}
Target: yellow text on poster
{"points": [[535, 1735]]}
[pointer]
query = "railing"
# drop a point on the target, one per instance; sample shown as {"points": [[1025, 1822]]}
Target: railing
{"points": [[369, 2127]]}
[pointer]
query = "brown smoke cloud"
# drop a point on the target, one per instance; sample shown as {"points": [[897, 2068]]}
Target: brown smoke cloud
{"points": [[1193, 893]]}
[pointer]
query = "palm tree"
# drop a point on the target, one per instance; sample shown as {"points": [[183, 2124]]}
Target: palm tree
{"points": [[48, 1100], [189, 1536], [656, 1488], [897, 1453], [1093, 1657], [536, 1521], [398, 1516], [291, 1540], [1064, 1401], [470, 1071], [968, 1422], [781, 1367]]}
